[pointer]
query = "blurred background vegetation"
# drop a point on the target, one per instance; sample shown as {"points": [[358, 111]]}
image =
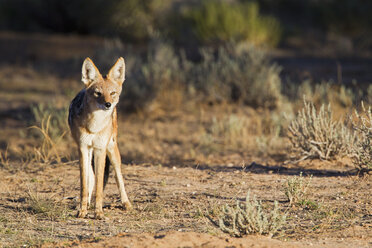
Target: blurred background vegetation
{"points": [[212, 51], [261, 22]]}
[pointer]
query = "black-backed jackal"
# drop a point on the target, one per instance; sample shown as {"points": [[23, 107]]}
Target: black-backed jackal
{"points": [[93, 124]]}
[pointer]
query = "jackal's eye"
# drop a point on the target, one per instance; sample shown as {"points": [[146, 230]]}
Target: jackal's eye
{"points": [[113, 93], [97, 93]]}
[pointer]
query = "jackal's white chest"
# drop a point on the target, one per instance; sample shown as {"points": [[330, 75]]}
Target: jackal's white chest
{"points": [[99, 126], [99, 120]]}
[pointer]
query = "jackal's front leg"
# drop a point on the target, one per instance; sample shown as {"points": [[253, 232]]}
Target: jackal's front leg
{"points": [[114, 156], [99, 163], [84, 162]]}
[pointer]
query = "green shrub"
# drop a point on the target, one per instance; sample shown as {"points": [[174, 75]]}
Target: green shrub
{"points": [[219, 21], [314, 134]]}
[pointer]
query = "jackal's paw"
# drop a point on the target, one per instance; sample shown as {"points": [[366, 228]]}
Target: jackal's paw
{"points": [[127, 205], [99, 215], [82, 213]]}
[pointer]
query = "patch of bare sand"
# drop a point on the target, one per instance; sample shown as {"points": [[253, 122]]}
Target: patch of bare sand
{"points": [[182, 239], [193, 239]]}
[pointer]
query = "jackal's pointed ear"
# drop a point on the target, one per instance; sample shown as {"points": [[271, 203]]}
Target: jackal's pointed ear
{"points": [[117, 72], [89, 72]]}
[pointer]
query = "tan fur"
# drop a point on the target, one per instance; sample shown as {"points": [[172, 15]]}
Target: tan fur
{"points": [[93, 125]]}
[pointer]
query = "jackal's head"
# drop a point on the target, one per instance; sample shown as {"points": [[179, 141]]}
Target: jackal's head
{"points": [[103, 93]]}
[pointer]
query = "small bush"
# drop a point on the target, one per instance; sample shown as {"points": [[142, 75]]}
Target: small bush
{"points": [[295, 189], [251, 218], [314, 134], [362, 150], [219, 21]]}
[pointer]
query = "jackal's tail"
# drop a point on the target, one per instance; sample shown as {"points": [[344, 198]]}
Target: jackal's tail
{"points": [[107, 170]]}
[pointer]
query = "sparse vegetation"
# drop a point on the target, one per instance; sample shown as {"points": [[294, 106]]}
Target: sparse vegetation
{"points": [[251, 217]]}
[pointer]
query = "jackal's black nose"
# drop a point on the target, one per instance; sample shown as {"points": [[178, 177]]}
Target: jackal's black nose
{"points": [[107, 104]]}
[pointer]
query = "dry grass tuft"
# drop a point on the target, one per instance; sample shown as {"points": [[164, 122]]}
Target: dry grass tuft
{"points": [[46, 207], [48, 151]]}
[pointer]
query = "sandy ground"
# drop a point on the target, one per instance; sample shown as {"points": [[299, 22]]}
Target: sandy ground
{"points": [[170, 205]]}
